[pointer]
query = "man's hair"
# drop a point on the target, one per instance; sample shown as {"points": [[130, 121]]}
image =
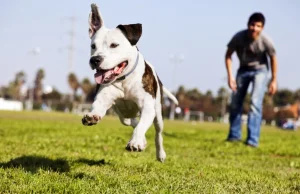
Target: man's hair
{"points": [[257, 17]]}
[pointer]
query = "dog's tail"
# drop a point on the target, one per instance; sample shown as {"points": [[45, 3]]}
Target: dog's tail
{"points": [[170, 95]]}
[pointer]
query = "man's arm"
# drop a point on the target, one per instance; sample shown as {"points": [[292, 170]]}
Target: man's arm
{"points": [[231, 47], [273, 83], [272, 54], [274, 67], [228, 62]]}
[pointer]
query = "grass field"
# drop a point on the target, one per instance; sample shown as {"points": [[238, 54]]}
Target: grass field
{"points": [[54, 153]]}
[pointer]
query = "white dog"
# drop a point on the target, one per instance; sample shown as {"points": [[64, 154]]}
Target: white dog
{"points": [[127, 82]]}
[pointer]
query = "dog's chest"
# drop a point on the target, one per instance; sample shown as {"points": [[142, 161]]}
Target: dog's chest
{"points": [[127, 108]]}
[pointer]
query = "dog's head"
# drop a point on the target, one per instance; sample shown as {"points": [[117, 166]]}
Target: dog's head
{"points": [[113, 51]]}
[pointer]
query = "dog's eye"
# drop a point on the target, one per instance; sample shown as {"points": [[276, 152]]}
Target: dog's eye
{"points": [[93, 46], [114, 45]]}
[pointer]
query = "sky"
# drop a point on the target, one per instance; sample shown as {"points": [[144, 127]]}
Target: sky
{"points": [[197, 31]]}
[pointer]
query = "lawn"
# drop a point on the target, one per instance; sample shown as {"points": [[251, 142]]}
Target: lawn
{"points": [[54, 153]]}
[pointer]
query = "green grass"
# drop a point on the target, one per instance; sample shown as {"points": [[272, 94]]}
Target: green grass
{"points": [[54, 153]]}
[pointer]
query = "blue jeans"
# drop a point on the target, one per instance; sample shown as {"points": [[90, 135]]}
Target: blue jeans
{"points": [[259, 79]]}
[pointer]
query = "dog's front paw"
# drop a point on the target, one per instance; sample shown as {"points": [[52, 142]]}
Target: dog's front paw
{"points": [[136, 144], [90, 119]]}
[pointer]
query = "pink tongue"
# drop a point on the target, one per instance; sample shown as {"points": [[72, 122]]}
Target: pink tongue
{"points": [[100, 76], [119, 70]]}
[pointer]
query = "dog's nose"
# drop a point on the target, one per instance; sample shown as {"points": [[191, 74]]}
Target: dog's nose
{"points": [[95, 61]]}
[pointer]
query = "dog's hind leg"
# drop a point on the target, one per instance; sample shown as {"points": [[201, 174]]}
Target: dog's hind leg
{"points": [[159, 125]]}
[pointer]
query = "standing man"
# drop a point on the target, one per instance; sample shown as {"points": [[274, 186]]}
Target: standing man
{"points": [[253, 50]]}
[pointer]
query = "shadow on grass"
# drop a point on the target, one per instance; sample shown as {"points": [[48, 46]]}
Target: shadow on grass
{"points": [[82, 175], [93, 162], [34, 163]]}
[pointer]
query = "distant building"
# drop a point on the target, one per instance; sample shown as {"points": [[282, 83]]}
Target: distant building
{"points": [[10, 105]]}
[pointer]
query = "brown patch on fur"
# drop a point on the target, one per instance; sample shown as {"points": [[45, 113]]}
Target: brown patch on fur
{"points": [[149, 82]]}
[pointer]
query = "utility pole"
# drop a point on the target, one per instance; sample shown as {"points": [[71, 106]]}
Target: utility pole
{"points": [[174, 60], [29, 103], [71, 46]]}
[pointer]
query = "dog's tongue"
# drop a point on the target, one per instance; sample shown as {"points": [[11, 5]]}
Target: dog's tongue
{"points": [[118, 70], [100, 76]]}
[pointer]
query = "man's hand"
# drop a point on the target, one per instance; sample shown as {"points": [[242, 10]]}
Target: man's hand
{"points": [[231, 81], [272, 87], [273, 83], [232, 84]]}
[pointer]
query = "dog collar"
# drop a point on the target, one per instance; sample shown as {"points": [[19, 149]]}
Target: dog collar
{"points": [[127, 74]]}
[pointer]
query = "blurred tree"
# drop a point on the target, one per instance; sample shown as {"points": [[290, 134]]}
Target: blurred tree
{"points": [[4, 92], [207, 103], [13, 90], [222, 99], [297, 95], [86, 87], [209, 94], [74, 84], [53, 95], [222, 91], [268, 109], [20, 76], [194, 94], [268, 100], [91, 94], [283, 97], [181, 89], [180, 93], [38, 85], [20, 80]]}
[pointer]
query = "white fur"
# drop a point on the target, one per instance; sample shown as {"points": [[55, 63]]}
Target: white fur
{"points": [[112, 56], [128, 97]]}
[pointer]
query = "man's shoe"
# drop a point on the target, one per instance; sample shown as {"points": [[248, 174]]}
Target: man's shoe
{"points": [[250, 145], [233, 140]]}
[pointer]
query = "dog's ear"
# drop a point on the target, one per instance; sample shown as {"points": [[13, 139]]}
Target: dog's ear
{"points": [[95, 20], [132, 32]]}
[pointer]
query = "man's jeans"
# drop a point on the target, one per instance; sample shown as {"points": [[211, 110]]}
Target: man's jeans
{"points": [[259, 79]]}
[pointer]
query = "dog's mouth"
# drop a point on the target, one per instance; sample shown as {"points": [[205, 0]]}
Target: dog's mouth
{"points": [[105, 76]]}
